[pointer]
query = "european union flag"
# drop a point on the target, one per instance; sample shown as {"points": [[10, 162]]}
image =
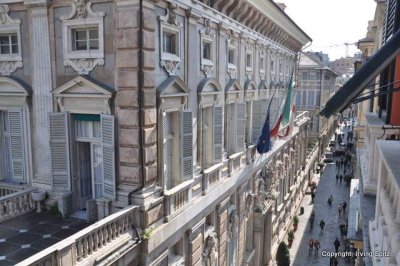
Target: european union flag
{"points": [[264, 141]]}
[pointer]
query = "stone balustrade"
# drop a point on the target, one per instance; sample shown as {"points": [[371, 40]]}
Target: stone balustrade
{"points": [[176, 198], [6, 189], [251, 153], [15, 204], [300, 118], [235, 161], [87, 246], [211, 177]]}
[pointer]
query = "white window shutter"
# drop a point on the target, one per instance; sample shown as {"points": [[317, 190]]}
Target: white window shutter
{"points": [[187, 144], [59, 145], [240, 126], [257, 119], [107, 141], [17, 144], [165, 147], [217, 133]]}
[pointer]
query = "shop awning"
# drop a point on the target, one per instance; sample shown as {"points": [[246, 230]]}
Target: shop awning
{"points": [[369, 70]]}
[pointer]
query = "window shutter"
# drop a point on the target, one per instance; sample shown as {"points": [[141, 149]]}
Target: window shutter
{"points": [[240, 125], [217, 133], [17, 144], [257, 119], [187, 144], [107, 141], [59, 145], [165, 148]]}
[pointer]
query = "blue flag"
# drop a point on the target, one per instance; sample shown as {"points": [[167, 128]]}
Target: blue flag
{"points": [[264, 140]]}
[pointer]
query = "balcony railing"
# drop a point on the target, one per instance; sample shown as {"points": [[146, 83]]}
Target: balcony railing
{"points": [[16, 203], [88, 245], [211, 177], [176, 198], [236, 161]]}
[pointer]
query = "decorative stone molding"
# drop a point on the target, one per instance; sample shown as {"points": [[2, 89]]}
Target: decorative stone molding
{"points": [[210, 254], [81, 14], [82, 10], [231, 45], [232, 71], [83, 66], [207, 36], [169, 23], [36, 3], [10, 62], [8, 67]]}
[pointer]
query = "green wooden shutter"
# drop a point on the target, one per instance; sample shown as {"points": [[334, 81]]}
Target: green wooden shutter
{"points": [[59, 145], [17, 144], [217, 133], [107, 141], [240, 126], [187, 144]]}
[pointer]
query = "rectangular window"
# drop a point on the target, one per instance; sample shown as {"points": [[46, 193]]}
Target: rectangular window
{"points": [[231, 56], [249, 60], [9, 43], [305, 75], [85, 39], [262, 63], [310, 100], [207, 50], [170, 43], [272, 65]]}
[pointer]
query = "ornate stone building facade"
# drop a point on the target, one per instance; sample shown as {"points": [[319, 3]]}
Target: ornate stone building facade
{"points": [[145, 114]]}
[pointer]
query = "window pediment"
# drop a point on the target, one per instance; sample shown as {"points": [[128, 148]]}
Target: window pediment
{"points": [[10, 86], [83, 95], [208, 91], [233, 86], [263, 85], [173, 86], [250, 85]]}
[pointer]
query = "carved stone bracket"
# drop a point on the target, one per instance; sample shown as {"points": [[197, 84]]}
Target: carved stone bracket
{"points": [[8, 67], [85, 65], [207, 68], [262, 74], [249, 73], [232, 71], [170, 65]]}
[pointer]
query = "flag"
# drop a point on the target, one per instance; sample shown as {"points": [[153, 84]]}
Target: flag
{"points": [[288, 104], [264, 140], [290, 126]]}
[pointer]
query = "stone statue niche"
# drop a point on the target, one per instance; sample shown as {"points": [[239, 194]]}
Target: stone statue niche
{"points": [[210, 254]]}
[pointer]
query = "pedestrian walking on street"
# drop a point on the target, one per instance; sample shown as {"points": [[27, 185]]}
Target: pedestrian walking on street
{"points": [[322, 225], [335, 262], [340, 179], [312, 196], [337, 178], [317, 245], [342, 228], [336, 244], [339, 209], [344, 207], [344, 172], [310, 246]]}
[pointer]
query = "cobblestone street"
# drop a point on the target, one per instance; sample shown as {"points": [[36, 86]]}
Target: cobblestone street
{"points": [[327, 186]]}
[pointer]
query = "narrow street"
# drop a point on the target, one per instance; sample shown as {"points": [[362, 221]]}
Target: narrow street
{"points": [[326, 186]]}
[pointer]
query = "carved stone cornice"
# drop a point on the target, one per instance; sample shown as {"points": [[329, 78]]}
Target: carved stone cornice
{"points": [[192, 15], [36, 3], [80, 9]]}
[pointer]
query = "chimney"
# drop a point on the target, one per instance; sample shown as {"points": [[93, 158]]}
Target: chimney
{"points": [[281, 5]]}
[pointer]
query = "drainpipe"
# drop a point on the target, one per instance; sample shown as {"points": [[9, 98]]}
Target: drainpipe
{"points": [[140, 95]]}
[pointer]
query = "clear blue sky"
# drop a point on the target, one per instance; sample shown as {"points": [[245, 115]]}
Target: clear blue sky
{"points": [[332, 22]]}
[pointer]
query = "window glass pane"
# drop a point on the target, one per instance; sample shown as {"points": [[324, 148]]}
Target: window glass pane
{"points": [[4, 39], [14, 39], [5, 49], [169, 45], [80, 35], [93, 34], [97, 170], [96, 129], [14, 49], [81, 45], [82, 129], [207, 50], [248, 60], [94, 44], [231, 56]]}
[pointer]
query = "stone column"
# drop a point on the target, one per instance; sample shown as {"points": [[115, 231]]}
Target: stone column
{"points": [[42, 87], [222, 221]]}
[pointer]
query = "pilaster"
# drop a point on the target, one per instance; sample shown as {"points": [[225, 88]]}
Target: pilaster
{"points": [[42, 87]]}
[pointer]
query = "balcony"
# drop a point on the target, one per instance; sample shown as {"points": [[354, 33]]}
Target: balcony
{"points": [[88, 246], [236, 161], [177, 198], [211, 177]]}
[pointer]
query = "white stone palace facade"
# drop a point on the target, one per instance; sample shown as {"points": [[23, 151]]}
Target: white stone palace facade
{"points": [[144, 115]]}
